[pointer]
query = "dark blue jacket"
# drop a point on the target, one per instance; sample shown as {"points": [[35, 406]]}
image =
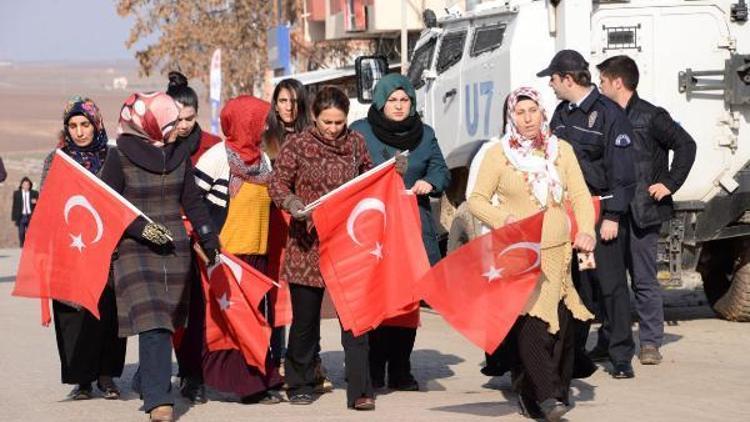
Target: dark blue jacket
{"points": [[426, 163]]}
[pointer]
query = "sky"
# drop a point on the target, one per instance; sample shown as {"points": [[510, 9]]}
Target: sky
{"points": [[62, 30]]}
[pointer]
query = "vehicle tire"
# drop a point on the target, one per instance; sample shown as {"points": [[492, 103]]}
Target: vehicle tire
{"points": [[726, 278], [462, 228]]}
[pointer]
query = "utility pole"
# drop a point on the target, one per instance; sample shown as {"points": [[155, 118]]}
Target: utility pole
{"points": [[404, 39]]}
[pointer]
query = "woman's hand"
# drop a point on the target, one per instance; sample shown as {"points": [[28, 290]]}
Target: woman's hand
{"points": [[401, 163], [421, 187], [510, 219], [584, 242]]}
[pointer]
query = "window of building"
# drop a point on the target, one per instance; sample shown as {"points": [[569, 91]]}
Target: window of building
{"points": [[451, 50], [420, 61], [487, 38]]}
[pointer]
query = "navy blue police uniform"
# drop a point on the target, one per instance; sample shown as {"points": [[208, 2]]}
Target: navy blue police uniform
{"points": [[602, 138]]}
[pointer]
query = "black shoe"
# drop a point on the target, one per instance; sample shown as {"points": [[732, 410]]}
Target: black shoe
{"points": [[82, 392], [109, 389], [264, 397], [492, 371], [405, 384], [301, 399], [529, 408], [378, 384], [598, 354], [553, 410], [193, 390], [583, 366], [622, 370]]}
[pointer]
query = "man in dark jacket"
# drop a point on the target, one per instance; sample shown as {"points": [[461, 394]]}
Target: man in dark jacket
{"points": [[3, 173], [656, 183], [24, 202], [602, 139]]}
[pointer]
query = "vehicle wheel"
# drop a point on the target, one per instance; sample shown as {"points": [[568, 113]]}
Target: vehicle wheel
{"points": [[726, 278], [462, 228]]}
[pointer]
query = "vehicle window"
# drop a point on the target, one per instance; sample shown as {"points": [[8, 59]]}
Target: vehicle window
{"points": [[487, 38], [451, 50], [420, 61]]}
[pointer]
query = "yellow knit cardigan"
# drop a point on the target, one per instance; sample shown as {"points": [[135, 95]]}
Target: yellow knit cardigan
{"points": [[498, 177]]}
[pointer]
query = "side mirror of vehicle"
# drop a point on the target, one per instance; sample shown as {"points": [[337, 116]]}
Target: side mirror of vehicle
{"points": [[369, 70]]}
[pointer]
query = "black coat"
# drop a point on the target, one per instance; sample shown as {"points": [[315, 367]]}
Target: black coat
{"points": [[3, 173], [657, 134], [18, 204]]}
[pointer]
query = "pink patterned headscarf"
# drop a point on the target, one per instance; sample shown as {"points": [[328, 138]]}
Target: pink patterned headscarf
{"points": [[151, 116], [510, 124]]}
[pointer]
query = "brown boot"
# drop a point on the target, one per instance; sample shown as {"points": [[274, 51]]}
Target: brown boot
{"points": [[161, 414]]}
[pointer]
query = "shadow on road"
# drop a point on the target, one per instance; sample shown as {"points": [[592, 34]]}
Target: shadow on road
{"points": [[492, 409], [8, 279]]}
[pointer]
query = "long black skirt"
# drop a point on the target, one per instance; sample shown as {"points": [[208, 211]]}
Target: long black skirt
{"points": [[88, 347]]}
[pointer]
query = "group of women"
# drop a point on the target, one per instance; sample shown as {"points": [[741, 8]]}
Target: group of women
{"points": [[281, 156]]}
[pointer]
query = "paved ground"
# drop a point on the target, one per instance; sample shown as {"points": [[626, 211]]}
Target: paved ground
{"points": [[705, 377]]}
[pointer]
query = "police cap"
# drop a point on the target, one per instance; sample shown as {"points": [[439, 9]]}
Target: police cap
{"points": [[565, 61]]}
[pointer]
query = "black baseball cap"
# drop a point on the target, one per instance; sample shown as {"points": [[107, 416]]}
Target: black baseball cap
{"points": [[565, 61]]}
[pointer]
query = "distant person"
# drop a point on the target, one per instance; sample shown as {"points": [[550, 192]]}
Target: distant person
{"points": [[24, 202], [602, 138], [233, 177], [3, 173], [657, 181], [392, 126], [90, 349], [289, 114], [190, 350], [534, 171], [152, 271]]}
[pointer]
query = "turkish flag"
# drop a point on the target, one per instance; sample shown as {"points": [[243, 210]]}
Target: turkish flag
{"points": [[234, 291], [482, 287], [76, 225], [371, 251], [572, 223], [280, 297]]}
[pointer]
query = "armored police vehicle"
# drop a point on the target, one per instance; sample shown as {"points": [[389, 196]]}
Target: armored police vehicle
{"points": [[694, 58]]}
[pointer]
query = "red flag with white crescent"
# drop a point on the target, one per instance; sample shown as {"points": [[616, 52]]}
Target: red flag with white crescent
{"points": [[371, 250], [75, 227], [482, 287]]}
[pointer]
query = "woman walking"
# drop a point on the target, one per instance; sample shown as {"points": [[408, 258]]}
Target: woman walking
{"points": [[233, 176], [309, 165], [392, 126], [89, 348], [152, 271], [24, 202], [530, 170]]}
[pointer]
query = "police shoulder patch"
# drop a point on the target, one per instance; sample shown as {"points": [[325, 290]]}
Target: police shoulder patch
{"points": [[592, 118], [622, 140]]}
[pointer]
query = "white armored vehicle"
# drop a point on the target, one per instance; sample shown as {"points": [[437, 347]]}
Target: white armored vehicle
{"points": [[694, 57]]}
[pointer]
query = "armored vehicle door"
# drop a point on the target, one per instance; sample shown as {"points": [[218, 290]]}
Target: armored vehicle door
{"points": [[446, 90]]}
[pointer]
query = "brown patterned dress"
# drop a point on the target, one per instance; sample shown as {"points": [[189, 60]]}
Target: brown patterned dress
{"points": [[309, 166]]}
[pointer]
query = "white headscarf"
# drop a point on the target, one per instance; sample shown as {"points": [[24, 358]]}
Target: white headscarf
{"points": [[541, 173]]}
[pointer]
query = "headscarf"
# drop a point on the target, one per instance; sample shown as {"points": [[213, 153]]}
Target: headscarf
{"points": [[406, 134], [92, 155], [243, 120], [534, 157], [150, 116]]}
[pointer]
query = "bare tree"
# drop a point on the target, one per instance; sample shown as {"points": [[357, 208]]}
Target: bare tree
{"points": [[188, 31]]}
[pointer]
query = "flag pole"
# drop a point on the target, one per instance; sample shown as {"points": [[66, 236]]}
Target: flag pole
{"points": [[104, 186], [316, 203]]}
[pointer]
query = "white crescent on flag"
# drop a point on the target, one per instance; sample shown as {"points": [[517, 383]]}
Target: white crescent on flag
{"points": [[81, 201], [366, 204], [534, 247]]}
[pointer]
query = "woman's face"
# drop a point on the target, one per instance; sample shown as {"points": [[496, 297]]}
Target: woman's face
{"points": [[25, 185], [330, 123], [397, 106], [528, 118], [286, 106], [81, 130], [186, 121]]}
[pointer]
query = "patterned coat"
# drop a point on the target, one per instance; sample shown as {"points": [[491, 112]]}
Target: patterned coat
{"points": [[308, 167], [151, 282]]}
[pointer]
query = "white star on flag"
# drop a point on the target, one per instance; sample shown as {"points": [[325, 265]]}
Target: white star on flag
{"points": [[77, 242], [493, 273], [378, 251], [224, 303]]}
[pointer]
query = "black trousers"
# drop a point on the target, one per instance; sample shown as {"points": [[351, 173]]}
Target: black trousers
{"points": [[304, 337], [605, 292], [23, 227], [546, 360], [391, 347], [89, 347], [154, 377]]}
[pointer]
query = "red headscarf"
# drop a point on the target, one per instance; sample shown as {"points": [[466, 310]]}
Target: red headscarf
{"points": [[151, 116], [243, 120]]}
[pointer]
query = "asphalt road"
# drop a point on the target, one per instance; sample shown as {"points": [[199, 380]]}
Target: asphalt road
{"points": [[705, 377]]}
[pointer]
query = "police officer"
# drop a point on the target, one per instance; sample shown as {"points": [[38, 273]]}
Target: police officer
{"points": [[657, 134], [602, 138]]}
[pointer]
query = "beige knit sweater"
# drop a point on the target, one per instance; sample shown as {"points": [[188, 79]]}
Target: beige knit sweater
{"points": [[498, 176]]}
